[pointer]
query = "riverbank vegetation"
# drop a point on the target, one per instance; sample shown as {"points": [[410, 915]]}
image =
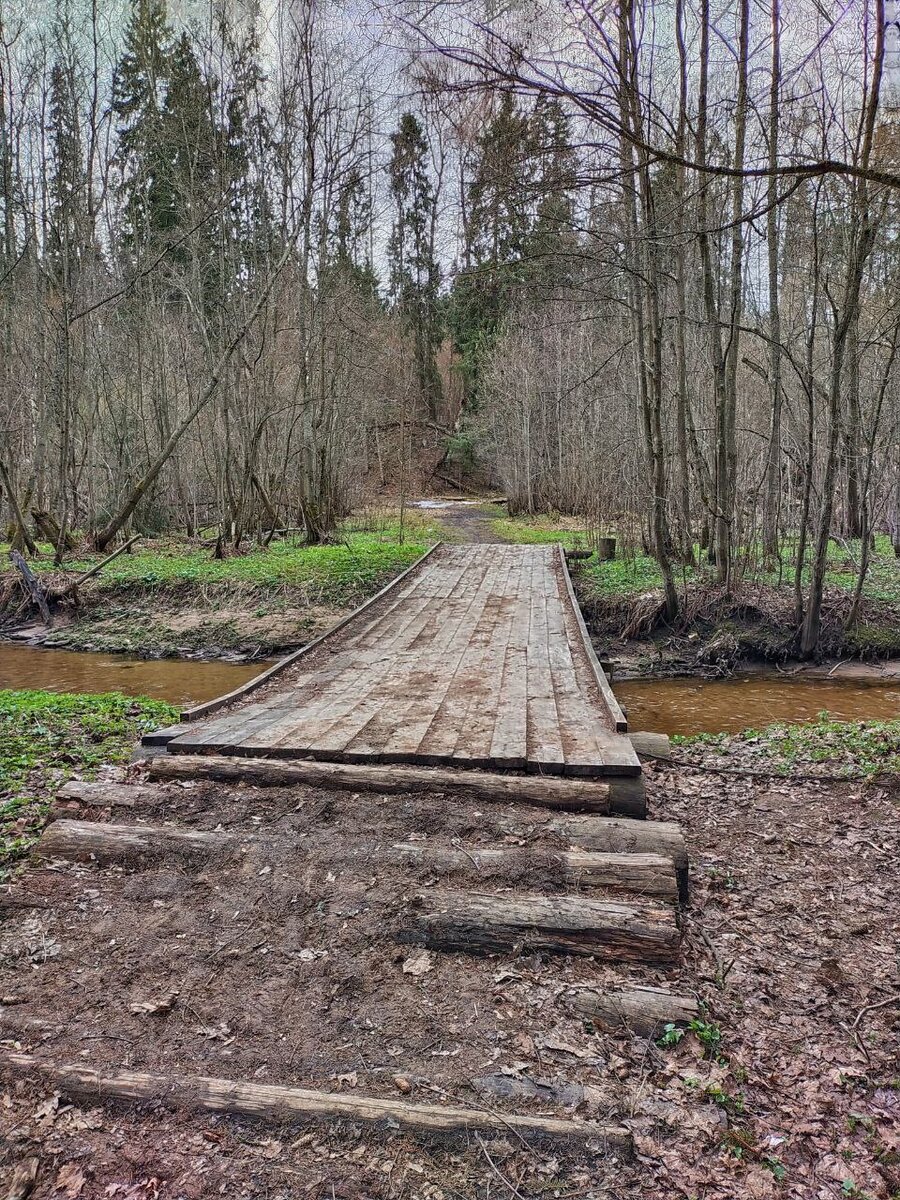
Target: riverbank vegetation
{"points": [[46, 737], [171, 596], [239, 294]]}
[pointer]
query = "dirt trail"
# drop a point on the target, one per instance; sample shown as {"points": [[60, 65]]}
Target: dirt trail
{"points": [[285, 962], [467, 520]]}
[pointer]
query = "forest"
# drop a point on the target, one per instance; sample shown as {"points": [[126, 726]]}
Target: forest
{"points": [[449, 599], [257, 266]]}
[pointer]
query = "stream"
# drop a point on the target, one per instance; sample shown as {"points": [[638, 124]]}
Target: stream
{"points": [[178, 680], [685, 705]]}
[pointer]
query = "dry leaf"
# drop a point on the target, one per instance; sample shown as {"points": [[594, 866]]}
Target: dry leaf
{"points": [[148, 1007], [419, 964], [70, 1180]]}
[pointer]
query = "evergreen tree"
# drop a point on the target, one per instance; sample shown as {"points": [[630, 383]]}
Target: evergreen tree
{"points": [[551, 242], [189, 180], [414, 270], [138, 97], [497, 235], [520, 239], [66, 233], [349, 250]]}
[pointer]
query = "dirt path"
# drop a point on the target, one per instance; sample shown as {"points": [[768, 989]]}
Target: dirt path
{"points": [[467, 520], [293, 956]]}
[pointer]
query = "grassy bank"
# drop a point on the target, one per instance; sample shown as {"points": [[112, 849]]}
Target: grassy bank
{"points": [[46, 737], [831, 749], [171, 596]]}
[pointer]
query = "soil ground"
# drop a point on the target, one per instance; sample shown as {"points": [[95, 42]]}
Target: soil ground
{"points": [[283, 964]]}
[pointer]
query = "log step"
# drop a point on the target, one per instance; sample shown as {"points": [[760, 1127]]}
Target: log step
{"points": [[642, 1010], [276, 1102], [108, 794], [474, 923], [623, 795], [99, 841], [615, 835], [104, 842], [646, 874]]}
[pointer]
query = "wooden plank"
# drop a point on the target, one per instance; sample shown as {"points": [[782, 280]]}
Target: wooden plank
{"points": [[201, 710], [617, 716], [477, 736], [442, 737], [579, 723], [545, 749], [374, 695], [416, 698], [509, 740]]}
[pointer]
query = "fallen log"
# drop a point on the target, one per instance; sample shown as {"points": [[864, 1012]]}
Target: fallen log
{"points": [[618, 794], [276, 1102], [648, 874], [85, 841], [71, 587], [32, 586], [615, 835], [651, 745], [476, 923], [643, 1010]]}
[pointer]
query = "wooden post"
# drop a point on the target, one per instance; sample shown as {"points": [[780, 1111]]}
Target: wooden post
{"points": [[606, 549]]}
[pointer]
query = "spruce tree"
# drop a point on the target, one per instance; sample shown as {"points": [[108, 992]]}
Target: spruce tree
{"points": [[499, 226], [551, 242], [139, 89], [414, 270]]}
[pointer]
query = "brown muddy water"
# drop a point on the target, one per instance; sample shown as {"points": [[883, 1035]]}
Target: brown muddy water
{"points": [[688, 706], [180, 681], [662, 705]]}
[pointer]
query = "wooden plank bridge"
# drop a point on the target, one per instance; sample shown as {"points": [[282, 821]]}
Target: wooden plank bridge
{"points": [[477, 658]]}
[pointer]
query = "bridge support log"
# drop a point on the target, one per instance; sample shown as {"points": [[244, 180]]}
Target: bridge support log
{"points": [[643, 1010], [476, 923], [616, 794], [276, 1102]]}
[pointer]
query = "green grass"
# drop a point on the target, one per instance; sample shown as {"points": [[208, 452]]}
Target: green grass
{"points": [[541, 530], [45, 737], [826, 747], [340, 574]]}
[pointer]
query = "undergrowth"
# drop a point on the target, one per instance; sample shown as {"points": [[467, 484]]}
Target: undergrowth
{"points": [[831, 748], [45, 737], [343, 573]]}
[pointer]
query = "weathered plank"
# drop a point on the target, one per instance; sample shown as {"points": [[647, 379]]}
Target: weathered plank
{"points": [[476, 659]]}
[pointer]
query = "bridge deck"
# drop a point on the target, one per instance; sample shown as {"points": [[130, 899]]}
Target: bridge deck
{"points": [[478, 658]]}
